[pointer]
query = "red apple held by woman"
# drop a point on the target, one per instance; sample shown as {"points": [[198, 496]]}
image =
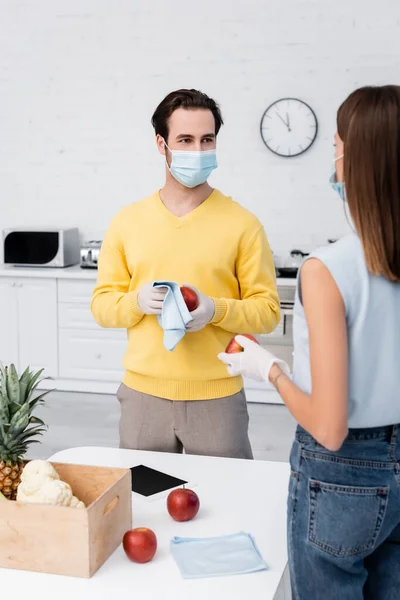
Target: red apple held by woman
{"points": [[234, 347], [190, 297], [183, 504], [140, 544]]}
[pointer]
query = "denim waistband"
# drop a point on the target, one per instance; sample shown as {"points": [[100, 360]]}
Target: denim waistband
{"points": [[386, 433]]}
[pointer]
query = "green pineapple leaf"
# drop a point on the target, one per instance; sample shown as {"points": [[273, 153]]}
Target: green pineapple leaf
{"points": [[13, 385], [29, 442], [3, 381], [36, 420], [2, 433], [32, 382], [20, 414], [38, 400], [4, 438], [2, 377], [25, 374], [23, 383], [14, 408], [18, 426], [38, 383], [4, 411], [32, 432]]}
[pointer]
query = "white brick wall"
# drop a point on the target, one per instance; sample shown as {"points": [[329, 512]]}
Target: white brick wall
{"points": [[79, 80]]}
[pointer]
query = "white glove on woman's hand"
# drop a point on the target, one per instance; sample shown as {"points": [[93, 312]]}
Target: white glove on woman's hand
{"points": [[203, 314], [150, 299], [254, 362]]}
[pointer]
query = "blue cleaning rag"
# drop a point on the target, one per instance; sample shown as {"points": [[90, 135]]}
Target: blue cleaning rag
{"points": [[235, 554], [175, 315]]}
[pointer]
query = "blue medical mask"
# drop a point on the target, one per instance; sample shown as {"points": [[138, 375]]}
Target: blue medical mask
{"points": [[191, 167], [338, 186]]}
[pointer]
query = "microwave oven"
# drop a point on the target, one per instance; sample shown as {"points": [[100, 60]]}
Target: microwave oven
{"points": [[41, 248]]}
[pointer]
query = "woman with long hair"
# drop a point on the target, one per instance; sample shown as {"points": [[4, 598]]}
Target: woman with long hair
{"points": [[344, 491]]}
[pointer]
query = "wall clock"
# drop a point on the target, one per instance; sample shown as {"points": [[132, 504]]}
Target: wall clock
{"points": [[289, 127]]}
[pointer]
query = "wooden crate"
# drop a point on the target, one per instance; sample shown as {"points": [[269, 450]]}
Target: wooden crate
{"points": [[69, 541]]}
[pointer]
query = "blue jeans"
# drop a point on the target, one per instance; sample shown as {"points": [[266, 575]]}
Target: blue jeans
{"points": [[344, 517]]}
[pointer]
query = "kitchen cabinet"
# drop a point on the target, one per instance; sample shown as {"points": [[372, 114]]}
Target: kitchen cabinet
{"points": [[46, 322], [37, 324], [90, 355], [28, 323], [86, 351]]}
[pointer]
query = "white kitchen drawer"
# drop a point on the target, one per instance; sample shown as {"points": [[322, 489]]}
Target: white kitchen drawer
{"points": [[91, 354], [79, 316], [75, 291]]}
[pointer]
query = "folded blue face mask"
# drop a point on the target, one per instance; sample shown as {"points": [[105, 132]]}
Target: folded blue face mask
{"points": [[191, 167], [338, 186]]}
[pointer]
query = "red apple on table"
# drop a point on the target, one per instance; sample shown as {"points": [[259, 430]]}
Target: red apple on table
{"points": [[140, 544], [190, 297], [183, 504], [234, 347]]}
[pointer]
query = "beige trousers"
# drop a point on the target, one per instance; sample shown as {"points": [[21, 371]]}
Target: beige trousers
{"points": [[207, 427]]}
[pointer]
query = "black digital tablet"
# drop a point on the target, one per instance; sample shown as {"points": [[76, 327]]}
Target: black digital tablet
{"points": [[148, 482]]}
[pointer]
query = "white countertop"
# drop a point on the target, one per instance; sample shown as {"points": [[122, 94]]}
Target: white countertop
{"points": [[76, 272], [235, 495]]}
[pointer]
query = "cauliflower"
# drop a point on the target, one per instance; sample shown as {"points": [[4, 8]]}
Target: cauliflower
{"points": [[39, 468], [40, 483], [75, 503], [52, 491], [35, 475]]}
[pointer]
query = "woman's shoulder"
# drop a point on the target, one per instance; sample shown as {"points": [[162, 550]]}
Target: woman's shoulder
{"points": [[345, 261], [344, 257], [348, 247]]}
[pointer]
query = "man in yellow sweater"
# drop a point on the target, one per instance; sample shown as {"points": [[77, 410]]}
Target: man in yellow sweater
{"points": [[188, 233]]}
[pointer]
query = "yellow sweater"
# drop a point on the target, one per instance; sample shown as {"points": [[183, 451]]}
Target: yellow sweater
{"points": [[221, 249]]}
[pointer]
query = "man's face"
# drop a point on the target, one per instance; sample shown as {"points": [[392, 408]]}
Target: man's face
{"points": [[189, 130]]}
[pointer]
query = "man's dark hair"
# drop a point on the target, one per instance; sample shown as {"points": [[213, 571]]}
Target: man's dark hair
{"points": [[188, 99]]}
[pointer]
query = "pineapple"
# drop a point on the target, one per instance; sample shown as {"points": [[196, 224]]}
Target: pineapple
{"points": [[18, 428]]}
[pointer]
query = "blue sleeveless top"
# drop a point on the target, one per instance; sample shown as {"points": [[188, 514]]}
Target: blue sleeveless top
{"points": [[373, 327]]}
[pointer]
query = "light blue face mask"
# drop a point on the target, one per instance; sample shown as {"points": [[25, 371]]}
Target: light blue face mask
{"points": [[191, 167], [338, 186]]}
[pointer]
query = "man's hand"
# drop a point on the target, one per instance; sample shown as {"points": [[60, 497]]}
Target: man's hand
{"points": [[203, 313], [254, 362], [150, 299]]}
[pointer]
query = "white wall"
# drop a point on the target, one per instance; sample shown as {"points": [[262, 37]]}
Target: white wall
{"points": [[79, 80]]}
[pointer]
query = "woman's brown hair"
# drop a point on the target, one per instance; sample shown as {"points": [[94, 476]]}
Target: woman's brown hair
{"points": [[368, 122]]}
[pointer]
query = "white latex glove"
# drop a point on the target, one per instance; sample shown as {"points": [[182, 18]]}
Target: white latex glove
{"points": [[150, 299], [203, 313], [254, 362]]}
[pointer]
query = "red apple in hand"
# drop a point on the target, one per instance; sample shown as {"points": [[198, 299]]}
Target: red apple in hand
{"points": [[190, 297], [234, 347], [140, 544], [183, 504]]}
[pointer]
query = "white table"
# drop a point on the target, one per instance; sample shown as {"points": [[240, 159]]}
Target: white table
{"points": [[235, 495]]}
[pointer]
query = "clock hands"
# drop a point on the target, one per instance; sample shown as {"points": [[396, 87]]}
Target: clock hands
{"points": [[287, 122], [282, 119]]}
